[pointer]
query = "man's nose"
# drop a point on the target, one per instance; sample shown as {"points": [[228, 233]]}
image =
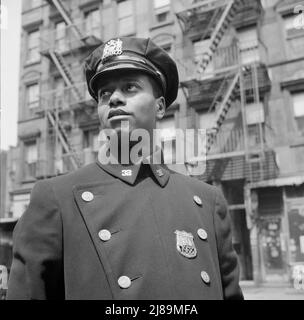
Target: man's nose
{"points": [[117, 98]]}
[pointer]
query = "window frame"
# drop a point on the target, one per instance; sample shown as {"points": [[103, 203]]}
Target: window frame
{"points": [[35, 103], [89, 21], [33, 6], [245, 49], [30, 167], [60, 43], [131, 16], [30, 56], [198, 56], [167, 9], [299, 119], [292, 35]]}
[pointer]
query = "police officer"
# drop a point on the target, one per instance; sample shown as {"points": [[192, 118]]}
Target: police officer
{"points": [[131, 230]]}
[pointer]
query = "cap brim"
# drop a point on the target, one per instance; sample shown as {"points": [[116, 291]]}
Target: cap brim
{"points": [[117, 67]]}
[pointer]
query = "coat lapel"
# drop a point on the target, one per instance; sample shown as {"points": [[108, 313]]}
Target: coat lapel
{"points": [[94, 210]]}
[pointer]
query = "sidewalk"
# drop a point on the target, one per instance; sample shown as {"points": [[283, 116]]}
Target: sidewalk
{"points": [[272, 291]]}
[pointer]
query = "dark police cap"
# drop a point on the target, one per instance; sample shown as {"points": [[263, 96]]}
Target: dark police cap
{"points": [[132, 54]]}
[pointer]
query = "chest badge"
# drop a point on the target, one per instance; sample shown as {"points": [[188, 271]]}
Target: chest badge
{"points": [[185, 244]]}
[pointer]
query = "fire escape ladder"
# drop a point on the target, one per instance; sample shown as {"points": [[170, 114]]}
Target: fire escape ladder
{"points": [[223, 110], [220, 93], [65, 73], [218, 33], [256, 158], [67, 18], [64, 139]]}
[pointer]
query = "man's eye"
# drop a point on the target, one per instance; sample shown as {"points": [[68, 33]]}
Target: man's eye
{"points": [[131, 87]]}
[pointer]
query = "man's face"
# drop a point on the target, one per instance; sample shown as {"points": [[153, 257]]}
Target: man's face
{"points": [[128, 97]]}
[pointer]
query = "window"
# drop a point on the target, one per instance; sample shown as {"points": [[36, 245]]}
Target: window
{"points": [[32, 95], [200, 48], [291, 27], [36, 3], [294, 38], [20, 203], [227, 139], [207, 120], [162, 10], [254, 116], [60, 36], [59, 94], [254, 113], [298, 109], [33, 54], [31, 156], [125, 18], [249, 45], [62, 159], [92, 23], [168, 139]]}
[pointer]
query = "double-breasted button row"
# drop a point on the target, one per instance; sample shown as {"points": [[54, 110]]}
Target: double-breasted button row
{"points": [[124, 281]]}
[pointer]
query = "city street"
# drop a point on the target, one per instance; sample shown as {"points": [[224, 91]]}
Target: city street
{"points": [[276, 291]]}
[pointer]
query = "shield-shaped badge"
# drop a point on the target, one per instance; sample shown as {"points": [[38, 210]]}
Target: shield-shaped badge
{"points": [[112, 48], [185, 244]]}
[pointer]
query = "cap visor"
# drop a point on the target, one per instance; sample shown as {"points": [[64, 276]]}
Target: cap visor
{"points": [[114, 68]]}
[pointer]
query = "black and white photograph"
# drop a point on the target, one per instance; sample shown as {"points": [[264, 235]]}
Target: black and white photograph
{"points": [[152, 151]]}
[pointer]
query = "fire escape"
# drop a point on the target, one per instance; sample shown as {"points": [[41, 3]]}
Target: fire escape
{"points": [[233, 81], [80, 41]]}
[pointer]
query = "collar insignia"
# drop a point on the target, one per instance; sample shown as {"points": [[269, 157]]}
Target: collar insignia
{"points": [[126, 173], [185, 244], [112, 48]]}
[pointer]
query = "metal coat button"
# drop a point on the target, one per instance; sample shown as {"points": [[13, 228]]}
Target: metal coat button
{"points": [[87, 196], [205, 277], [124, 282], [197, 200], [202, 233], [104, 235]]}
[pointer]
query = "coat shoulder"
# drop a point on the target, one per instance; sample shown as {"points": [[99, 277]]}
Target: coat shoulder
{"points": [[87, 174], [193, 183]]}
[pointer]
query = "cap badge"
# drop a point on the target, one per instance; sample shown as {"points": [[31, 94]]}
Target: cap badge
{"points": [[185, 244], [112, 48]]}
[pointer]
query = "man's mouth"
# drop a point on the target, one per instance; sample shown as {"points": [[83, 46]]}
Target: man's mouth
{"points": [[117, 112]]}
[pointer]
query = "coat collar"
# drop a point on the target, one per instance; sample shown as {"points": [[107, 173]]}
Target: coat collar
{"points": [[130, 173]]}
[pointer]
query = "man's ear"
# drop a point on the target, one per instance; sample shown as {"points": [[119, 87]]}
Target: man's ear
{"points": [[160, 108]]}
